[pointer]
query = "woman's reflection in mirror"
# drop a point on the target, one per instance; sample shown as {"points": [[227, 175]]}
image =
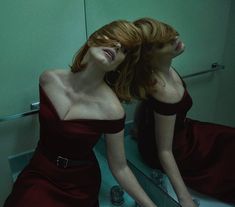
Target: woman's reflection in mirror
{"points": [[192, 153]]}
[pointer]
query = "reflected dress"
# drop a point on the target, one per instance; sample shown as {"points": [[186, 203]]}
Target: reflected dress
{"points": [[204, 152], [45, 182]]}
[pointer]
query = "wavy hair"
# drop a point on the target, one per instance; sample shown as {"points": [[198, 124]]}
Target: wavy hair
{"points": [[154, 34], [129, 36]]}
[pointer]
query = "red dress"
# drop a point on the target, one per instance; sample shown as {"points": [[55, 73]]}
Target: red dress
{"points": [[204, 152], [44, 184]]}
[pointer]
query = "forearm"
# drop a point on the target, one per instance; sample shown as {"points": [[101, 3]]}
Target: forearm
{"points": [[171, 169], [129, 183]]}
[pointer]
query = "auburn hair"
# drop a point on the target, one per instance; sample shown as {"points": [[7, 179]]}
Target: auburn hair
{"points": [[129, 36], [154, 33]]}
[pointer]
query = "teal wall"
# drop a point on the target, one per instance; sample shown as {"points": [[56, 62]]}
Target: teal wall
{"points": [[37, 35], [225, 101], [34, 36]]}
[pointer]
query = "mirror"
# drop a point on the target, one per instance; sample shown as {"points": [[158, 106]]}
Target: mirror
{"points": [[204, 28]]}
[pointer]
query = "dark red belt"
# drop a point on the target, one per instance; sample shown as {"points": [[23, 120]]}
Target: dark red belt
{"points": [[63, 162]]}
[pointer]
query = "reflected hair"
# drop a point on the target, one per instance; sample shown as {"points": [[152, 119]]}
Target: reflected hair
{"points": [[129, 36], [154, 34]]}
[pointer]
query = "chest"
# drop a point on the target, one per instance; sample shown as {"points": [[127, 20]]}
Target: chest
{"points": [[70, 106]]}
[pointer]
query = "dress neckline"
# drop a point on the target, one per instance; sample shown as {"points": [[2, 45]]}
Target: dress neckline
{"points": [[75, 120]]}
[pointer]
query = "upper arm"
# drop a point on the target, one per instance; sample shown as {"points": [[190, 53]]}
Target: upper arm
{"points": [[115, 141], [164, 124], [164, 131], [115, 150]]}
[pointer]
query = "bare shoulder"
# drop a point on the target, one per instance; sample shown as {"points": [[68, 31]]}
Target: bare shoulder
{"points": [[166, 94], [49, 76], [114, 108], [112, 105], [46, 77], [160, 93]]}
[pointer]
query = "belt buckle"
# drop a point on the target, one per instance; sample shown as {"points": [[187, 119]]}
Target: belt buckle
{"points": [[62, 162]]}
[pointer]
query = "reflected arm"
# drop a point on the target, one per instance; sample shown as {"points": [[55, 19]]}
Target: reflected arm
{"points": [[164, 132]]}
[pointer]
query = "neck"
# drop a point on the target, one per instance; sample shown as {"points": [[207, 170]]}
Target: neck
{"points": [[162, 65], [88, 79]]}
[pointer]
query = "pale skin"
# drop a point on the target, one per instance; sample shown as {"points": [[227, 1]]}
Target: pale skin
{"points": [[169, 89], [85, 95]]}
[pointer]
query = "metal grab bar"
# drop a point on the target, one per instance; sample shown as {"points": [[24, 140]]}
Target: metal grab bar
{"points": [[35, 106], [34, 109], [214, 67], [16, 116]]}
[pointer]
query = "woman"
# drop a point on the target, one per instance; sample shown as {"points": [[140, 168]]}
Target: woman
{"points": [[76, 107], [198, 154]]}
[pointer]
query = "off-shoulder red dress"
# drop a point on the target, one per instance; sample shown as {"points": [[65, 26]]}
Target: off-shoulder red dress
{"points": [[49, 182], [204, 152]]}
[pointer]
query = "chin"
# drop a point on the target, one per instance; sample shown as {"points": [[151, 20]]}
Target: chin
{"points": [[179, 53]]}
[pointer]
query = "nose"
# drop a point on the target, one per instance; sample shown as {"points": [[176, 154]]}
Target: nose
{"points": [[175, 40]]}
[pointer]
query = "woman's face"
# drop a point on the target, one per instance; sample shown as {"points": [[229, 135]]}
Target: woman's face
{"points": [[108, 57], [170, 49]]}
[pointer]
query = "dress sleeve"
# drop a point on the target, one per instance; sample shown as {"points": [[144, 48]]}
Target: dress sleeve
{"points": [[115, 126], [163, 108]]}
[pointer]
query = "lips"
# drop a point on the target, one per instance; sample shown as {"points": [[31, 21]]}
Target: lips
{"points": [[179, 45], [109, 53]]}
